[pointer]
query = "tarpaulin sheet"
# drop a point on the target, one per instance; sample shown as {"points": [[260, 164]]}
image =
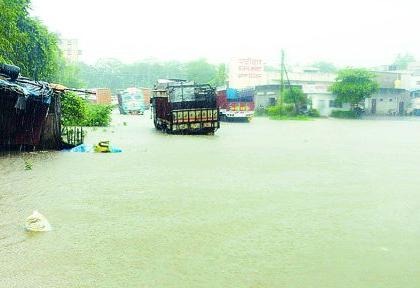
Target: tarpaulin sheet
{"points": [[231, 93], [242, 95], [27, 90]]}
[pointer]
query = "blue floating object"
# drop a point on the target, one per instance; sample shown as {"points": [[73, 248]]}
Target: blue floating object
{"points": [[82, 149], [116, 150]]}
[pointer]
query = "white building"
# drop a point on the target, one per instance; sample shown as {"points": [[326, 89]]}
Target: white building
{"points": [[250, 72], [409, 81], [414, 66], [315, 85], [394, 96], [322, 99], [246, 72], [388, 77], [70, 49]]}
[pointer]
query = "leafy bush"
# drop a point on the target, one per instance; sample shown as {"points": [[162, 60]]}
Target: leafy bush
{"points": [[285, 110], [73, 109], [345, 114], [98, 115], [296, 97], [313, 113]]}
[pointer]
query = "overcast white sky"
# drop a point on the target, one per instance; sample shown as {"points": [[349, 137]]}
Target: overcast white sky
{"points": [[348, 33]]}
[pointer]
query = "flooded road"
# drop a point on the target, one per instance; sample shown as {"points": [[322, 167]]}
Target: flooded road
{"points": [[325, 203]]}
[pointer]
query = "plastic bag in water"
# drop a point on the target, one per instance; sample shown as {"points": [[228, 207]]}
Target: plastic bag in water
{"points": [[37, 223]]}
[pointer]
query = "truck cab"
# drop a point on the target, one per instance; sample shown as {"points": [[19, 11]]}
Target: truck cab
{"points": [[131, 101], [236, 105]]}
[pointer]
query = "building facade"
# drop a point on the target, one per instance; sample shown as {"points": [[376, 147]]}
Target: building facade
{"points": [[315, 85], [246, 73], [70, 49], [266, 95], [395, 95], [399, 79], [389, 101]]}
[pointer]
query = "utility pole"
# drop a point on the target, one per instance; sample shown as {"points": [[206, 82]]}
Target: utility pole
{"points": [[282, 77]]}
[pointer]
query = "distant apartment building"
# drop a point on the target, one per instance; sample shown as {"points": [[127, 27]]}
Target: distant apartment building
{"points": [[70, 49]]}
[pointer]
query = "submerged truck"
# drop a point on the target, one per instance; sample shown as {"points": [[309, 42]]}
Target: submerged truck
{"points": [[131, 101], [182, 107], [235, 104]]}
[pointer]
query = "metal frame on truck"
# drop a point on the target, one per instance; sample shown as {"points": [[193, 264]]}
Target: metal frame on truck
{"points": [[185, 108]]}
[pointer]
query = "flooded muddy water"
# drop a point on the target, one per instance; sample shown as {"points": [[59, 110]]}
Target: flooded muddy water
{"points": [[325, 203]]}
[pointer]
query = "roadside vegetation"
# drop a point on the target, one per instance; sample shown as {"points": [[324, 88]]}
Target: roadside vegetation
{"points": [[98, 115], [353, 86], [76, 111], [292, 105]]}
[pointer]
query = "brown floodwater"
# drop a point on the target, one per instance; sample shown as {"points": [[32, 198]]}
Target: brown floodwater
{"points": [[325, 203]]}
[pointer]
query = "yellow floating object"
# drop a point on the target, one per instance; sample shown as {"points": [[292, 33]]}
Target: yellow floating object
{"points": [[103, 147]]}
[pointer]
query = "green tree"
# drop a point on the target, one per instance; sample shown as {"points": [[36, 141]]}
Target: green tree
{"points": [[354, 86], [325, 67], [296, 97], [220, 77], [73, 109], [200, 71], [25, 42], [69, 75], [39, 53], [11, 12], [113, 74], [402, 60]]}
